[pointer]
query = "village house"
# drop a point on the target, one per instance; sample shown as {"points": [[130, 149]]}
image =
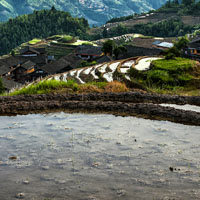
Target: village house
{"points": [[38, 56], [193, 49], [88, 52], [64, 64], [9, 84], [20, 73], [31, 52], [4, 70], [162, 45]]}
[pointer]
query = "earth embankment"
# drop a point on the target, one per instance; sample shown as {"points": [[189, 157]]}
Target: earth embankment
{"points": [[126, 104]]}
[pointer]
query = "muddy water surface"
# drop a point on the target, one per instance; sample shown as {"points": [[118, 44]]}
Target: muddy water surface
{"points": [[97, 157]]}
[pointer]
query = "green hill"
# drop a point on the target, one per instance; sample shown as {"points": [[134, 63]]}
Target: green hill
{"points": [[96, 11], [40, 24]]}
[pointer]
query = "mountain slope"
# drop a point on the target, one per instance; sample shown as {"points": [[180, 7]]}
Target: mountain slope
{"points": [[40, 24], [96, 11]]}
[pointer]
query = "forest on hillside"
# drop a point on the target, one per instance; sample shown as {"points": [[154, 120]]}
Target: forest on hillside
{"points": [[166, 28], [183, 7], [39, 24]]}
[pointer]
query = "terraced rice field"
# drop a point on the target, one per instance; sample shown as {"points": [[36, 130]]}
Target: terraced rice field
{"points": [[105, 71]]}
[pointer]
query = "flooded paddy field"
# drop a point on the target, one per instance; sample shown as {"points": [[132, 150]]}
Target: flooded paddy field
{"points": [[97, 157]]}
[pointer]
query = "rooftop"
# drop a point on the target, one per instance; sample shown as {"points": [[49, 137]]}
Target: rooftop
{"points": [[9, 84], [165, 45], [28, 65], [88, 50], [4, 70]]}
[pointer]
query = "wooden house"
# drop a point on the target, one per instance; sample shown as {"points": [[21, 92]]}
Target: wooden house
{"points": [[4, 70], [29, 52], [193, 49], [9, 84], [88, 52], [21, 71]]}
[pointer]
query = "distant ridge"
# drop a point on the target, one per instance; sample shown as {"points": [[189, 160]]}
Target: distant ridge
{"points": [[96, 11]]}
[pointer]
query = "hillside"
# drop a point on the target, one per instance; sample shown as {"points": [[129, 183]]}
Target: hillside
{"points": [[96, 11], [171, 20], [144, 73], [39, 24]]}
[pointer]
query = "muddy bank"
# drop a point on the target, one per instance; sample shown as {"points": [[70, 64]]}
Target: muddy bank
{"points": [[130, 97], [150, 111]]}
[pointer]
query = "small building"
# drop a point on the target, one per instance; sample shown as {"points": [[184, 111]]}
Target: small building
{"points": [[162, 45], [88, 52], [64, 64], [193, 49], [29, 52], [21, 71], [9, 84], [4, 70]]}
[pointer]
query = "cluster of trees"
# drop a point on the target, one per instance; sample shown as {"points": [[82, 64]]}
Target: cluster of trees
{"points": [[40, 24], [111, 48], [175, 51], [121, 19], [166, 28], [181, 7]]}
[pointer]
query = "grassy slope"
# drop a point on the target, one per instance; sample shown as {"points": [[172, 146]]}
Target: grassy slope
{"points": [[176, 76], [54, 86]]}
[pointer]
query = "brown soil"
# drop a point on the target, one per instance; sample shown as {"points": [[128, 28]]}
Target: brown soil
{"points": [[124, 104]]}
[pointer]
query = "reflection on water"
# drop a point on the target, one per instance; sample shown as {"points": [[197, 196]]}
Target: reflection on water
{"points": [[92, 157], [184, 107]]}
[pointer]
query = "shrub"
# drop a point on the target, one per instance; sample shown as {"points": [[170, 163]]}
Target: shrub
{"points": [[170, 56], [116, 86]]}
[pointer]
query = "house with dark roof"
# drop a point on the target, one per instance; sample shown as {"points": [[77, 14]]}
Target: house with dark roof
{"points": [[193, 49], [29, 52], [103, 59], [21, 71], [4, 70], [88, 52], [9, 84], [64, 64], [36, 55], [162, 45]]}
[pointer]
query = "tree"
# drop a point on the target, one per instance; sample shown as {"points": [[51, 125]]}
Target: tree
{"points": [[118, 50], [181, 43], [53, 8], [108, 47], [188, 2], [105, 33]]}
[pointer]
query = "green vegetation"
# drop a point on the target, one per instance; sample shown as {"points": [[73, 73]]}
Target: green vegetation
{"points": [[54, 86], [175, 51], [34, 41], [172, 27], [167, 74], [111, 48], [190, 7], [121, 19], [45, 87], [67, 39], [40, 24], [90, 8], [86, 64]]}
